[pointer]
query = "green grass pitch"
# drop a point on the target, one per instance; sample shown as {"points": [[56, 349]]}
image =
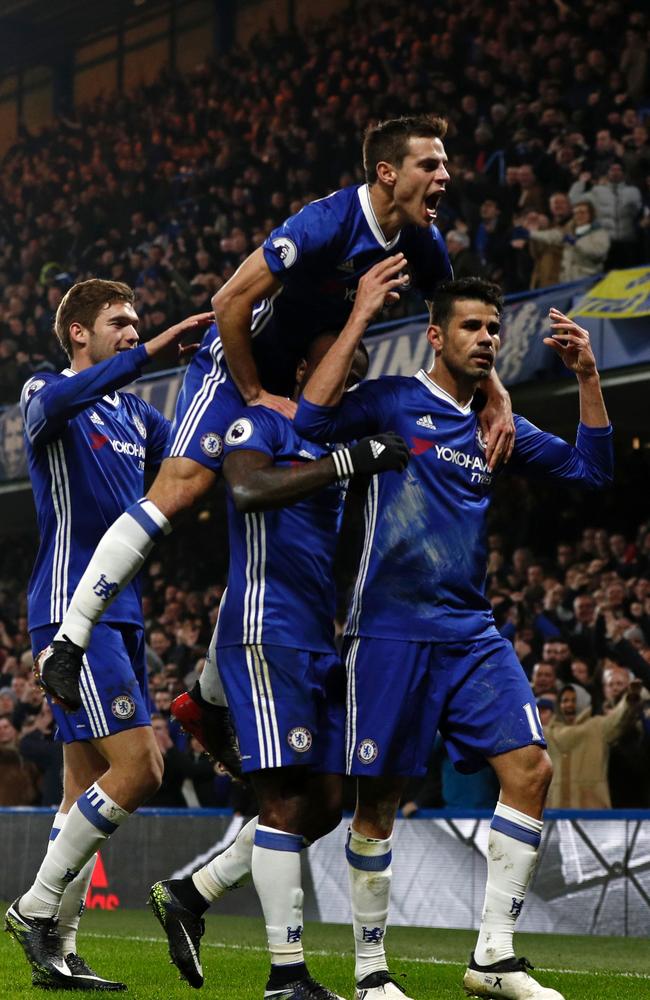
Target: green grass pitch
{"points": [[130, 945]]}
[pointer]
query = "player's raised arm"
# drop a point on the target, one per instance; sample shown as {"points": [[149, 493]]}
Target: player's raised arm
{"points": [[233, 308], [255, 483], [378, 286], [590, 461], [572, 344]]}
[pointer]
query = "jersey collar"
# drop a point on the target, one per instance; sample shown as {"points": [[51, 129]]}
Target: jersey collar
{"points": [[370, 217], [114, 400], [442, 394]]}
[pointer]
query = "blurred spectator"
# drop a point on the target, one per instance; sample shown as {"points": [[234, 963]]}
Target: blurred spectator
{"points": [[547, 253], [583, 242], [19, 778], [37, 745], [617, 206], [544, 680], [579, 745], [464, 261]]}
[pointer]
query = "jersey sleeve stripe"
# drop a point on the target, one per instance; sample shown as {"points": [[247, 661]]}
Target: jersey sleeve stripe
{"points": [[60, 489]]}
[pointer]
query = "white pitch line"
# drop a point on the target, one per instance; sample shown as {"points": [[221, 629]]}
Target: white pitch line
{"points": [[396, 958]]}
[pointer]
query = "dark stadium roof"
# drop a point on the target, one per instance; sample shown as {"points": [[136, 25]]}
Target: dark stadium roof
{"points": [[35, 31]]}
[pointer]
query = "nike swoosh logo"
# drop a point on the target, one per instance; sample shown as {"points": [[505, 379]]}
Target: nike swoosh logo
{"points": [[198, 965], [62, 969]]}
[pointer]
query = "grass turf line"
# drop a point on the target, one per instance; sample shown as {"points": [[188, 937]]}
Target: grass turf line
{"points": [[130, 945]]}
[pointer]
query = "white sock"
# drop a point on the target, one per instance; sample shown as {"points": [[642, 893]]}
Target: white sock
{"points": [[276, 874], [92, 819], [209, 680], [73, 900], [118, 557], [73, 903], [512, 854], [370, 876], [230, 869]]}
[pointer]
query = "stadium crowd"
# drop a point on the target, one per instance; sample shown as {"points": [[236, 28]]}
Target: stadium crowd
{"points": [[578, 616], [170, 187]]}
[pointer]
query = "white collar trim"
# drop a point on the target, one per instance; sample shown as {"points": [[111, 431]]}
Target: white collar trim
{"points": [[371, 219], [441, 393], [114, 400]]}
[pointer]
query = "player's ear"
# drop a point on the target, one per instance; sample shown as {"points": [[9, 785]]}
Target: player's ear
{"points": [[78, 335], [386, 173], [434, 336], [301, 371]]}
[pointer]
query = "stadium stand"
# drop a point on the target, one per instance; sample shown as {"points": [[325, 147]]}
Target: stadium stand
{"points": [[170, 187]]}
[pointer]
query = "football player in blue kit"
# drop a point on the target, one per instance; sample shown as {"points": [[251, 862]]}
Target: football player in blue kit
{"points": [[302, 281], [422, 651], [87, 446], [284, 680]]}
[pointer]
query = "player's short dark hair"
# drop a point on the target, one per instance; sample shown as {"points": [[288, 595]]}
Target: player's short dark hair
{"points": [[389, 141], [83, 303], [447, 292]]}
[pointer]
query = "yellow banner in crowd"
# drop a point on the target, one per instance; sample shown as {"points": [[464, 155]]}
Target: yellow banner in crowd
{"points": [[620, 295]]}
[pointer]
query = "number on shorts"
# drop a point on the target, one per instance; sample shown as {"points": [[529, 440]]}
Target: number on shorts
{"points": [[534, 720]]}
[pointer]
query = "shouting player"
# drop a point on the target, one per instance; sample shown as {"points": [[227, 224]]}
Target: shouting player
{"points": [[422, 650], [88, 446], [303, 280], [284, 680]]}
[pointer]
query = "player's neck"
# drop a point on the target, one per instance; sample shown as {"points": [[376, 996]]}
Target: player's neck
{"points": [[386, 212], [79, 363], [459, 388]]}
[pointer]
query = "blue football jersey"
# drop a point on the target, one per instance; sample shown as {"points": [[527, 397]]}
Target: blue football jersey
{"points": [[423, 569], [87, 448], [319, 255], [280, 583]]}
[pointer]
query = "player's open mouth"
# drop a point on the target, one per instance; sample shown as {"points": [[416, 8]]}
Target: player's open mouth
{"points": [[431, 204]]}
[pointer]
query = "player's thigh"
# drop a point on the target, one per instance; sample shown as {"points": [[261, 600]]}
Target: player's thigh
{"points": [[490, 710], [112, 683], [207, 404], [275, 695], [392, 707]]}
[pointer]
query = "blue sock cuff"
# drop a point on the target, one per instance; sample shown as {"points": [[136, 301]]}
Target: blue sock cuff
{"points": [[514, 830], [89, 805], [367, 862], [276, 840], [147, 523]]}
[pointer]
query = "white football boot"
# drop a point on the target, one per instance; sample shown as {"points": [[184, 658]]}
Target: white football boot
{"points": [[508, 979], [379, 986]]}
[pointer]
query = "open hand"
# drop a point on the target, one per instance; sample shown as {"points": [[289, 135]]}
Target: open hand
{"points": [[571, 343]]}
